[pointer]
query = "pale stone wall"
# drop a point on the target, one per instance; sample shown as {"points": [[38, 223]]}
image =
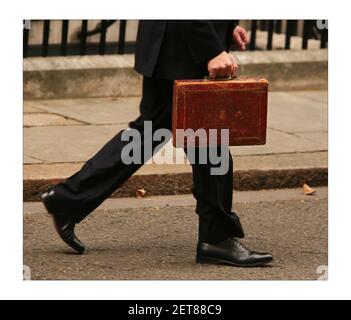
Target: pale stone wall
{"points": [[114, 75]]}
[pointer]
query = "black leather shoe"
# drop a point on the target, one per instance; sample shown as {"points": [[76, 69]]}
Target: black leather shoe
{"points": [[63, 224], [231, 252]]}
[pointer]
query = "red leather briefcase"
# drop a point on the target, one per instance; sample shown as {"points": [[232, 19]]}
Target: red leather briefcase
{"points": [[239, 105]]}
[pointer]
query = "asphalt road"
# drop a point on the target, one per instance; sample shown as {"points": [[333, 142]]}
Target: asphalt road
{"points": [[158, 243]]}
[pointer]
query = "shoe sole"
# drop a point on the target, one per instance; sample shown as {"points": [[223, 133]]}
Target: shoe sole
{"points": [[215, 261]]}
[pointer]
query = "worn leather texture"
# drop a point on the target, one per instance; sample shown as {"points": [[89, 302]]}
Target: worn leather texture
{"points": [[239, 105]]}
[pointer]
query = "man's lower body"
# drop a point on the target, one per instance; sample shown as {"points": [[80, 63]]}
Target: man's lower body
{"points": [[71, 201]]}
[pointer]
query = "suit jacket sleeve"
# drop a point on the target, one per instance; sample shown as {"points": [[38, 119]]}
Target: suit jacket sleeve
{"points": [[202, 40]]}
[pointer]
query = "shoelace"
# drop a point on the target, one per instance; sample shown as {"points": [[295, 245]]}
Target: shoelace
{"points": [[237, 242]]}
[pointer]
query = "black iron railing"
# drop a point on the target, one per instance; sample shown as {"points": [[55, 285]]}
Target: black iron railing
{"points": [[82, 45], [311, 31]]}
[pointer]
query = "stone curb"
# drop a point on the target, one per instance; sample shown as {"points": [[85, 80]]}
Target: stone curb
{"points": [[181, 183]]}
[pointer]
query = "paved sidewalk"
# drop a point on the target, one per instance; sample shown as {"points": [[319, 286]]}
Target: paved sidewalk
{"points": [[59, 135]]}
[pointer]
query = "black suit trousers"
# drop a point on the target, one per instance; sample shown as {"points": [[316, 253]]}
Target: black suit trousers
{"points": [[105, 172]]}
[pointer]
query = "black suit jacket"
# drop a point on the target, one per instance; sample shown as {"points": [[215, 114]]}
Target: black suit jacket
{"points": [[176, 49]]}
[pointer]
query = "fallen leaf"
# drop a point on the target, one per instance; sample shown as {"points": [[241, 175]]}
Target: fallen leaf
{"points": [[307, 190], [140, 193]]}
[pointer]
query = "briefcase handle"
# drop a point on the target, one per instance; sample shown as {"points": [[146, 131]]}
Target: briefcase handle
{"points": [[231, 77]]}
